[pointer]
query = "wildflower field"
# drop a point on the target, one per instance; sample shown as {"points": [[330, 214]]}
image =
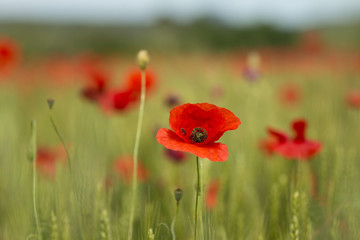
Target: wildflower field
{"points": [[289, 170]]}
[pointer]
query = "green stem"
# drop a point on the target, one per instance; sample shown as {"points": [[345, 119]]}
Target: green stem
{"points": [[77, 197], [198, 193], [61, 138], [136, 153], [34, 153], [173, 222]]}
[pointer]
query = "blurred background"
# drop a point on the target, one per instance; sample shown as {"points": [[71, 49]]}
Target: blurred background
{"points": [[268, 61], [108, 27]]}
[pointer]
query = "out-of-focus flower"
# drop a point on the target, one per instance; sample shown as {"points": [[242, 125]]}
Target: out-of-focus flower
{"points": [[275, 139], [116, 100], [172, 100], [299, 148], [251, 71], [290, 94], [175, 156], [353, 98], [59, 70], [9, 55], [133, 81], [311, 42], [217, 92], [47, 159], [196, 128], [124, 167], [97, 82], [211, 196]]}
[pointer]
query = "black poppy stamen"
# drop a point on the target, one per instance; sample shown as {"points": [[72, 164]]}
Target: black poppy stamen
{"points": [[198, 135], [183, 131]]}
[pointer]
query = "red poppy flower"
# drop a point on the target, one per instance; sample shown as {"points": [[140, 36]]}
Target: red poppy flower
{"points": [[196, 128], [212, 194], [46, 160], [124, 167], [134, 80], [299, 147], [9, 55], [97, 80], [175, 156], [116, 100], [353, 98], [290, 94], [276, 138]]}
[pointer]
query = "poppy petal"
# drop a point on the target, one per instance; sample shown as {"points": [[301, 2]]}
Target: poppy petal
{"points": [[302, 151], [299, 127], [214, 120], [280, 136], [216, 152]]}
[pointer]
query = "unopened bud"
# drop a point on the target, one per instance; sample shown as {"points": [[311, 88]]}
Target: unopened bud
{"points": [[143, 59], [178, 194], [50, 102]]}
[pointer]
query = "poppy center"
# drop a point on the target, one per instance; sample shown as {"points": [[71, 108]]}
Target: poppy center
{"points": [[198, 135]]}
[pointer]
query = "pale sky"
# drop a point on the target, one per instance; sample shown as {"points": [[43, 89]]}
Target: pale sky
{"points": [[293, 13]]}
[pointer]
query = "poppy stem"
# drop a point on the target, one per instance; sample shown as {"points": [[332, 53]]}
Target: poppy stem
{"points": [[61, 138], [173, 222], [33, 158], [198, 193], [136, 152], [51, 104]]}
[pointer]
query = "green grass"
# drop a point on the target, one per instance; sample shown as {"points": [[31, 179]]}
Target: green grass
{"points": [[256, 197]]}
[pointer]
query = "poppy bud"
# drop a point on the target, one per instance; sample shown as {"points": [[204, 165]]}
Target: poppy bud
{"points": [[50, 102], [143, 59], [178, 194]]}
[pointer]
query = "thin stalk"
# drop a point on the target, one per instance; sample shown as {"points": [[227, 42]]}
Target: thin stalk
{"points": [[61, 139], [136, 153], [33, 157], [198, 193], [77, 197], [173, 222]]}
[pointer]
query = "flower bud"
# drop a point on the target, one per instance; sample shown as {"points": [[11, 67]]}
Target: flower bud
{"points": [[50, 102], [178, 194], [143, 59]]}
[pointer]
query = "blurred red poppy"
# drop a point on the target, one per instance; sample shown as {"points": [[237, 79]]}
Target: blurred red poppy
{"points": [[175, 156], [299, 147], [97, 79], [212, 194], [275, 139], [353, 98], [9, 55], [47, 159], [290, 94], [196, 127], [133, 82], [116, 100], [124, 167]]}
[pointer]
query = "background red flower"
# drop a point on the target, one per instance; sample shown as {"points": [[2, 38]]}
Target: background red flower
{"points": [[299, 147], [124, 167]]}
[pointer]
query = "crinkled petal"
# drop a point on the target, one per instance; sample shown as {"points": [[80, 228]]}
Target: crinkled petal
{"points": [[214, 120], [216, 152]]}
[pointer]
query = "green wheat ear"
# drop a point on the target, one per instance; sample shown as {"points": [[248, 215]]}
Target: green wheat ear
{"points": [[105, 231], [151, 235], [294, 225], [305, 219], [54, 235]]}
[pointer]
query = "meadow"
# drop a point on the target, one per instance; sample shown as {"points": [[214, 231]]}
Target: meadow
{"points": [[251, 195]]}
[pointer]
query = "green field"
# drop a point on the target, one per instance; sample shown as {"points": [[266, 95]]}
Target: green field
{"points": [[258, 197]]}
